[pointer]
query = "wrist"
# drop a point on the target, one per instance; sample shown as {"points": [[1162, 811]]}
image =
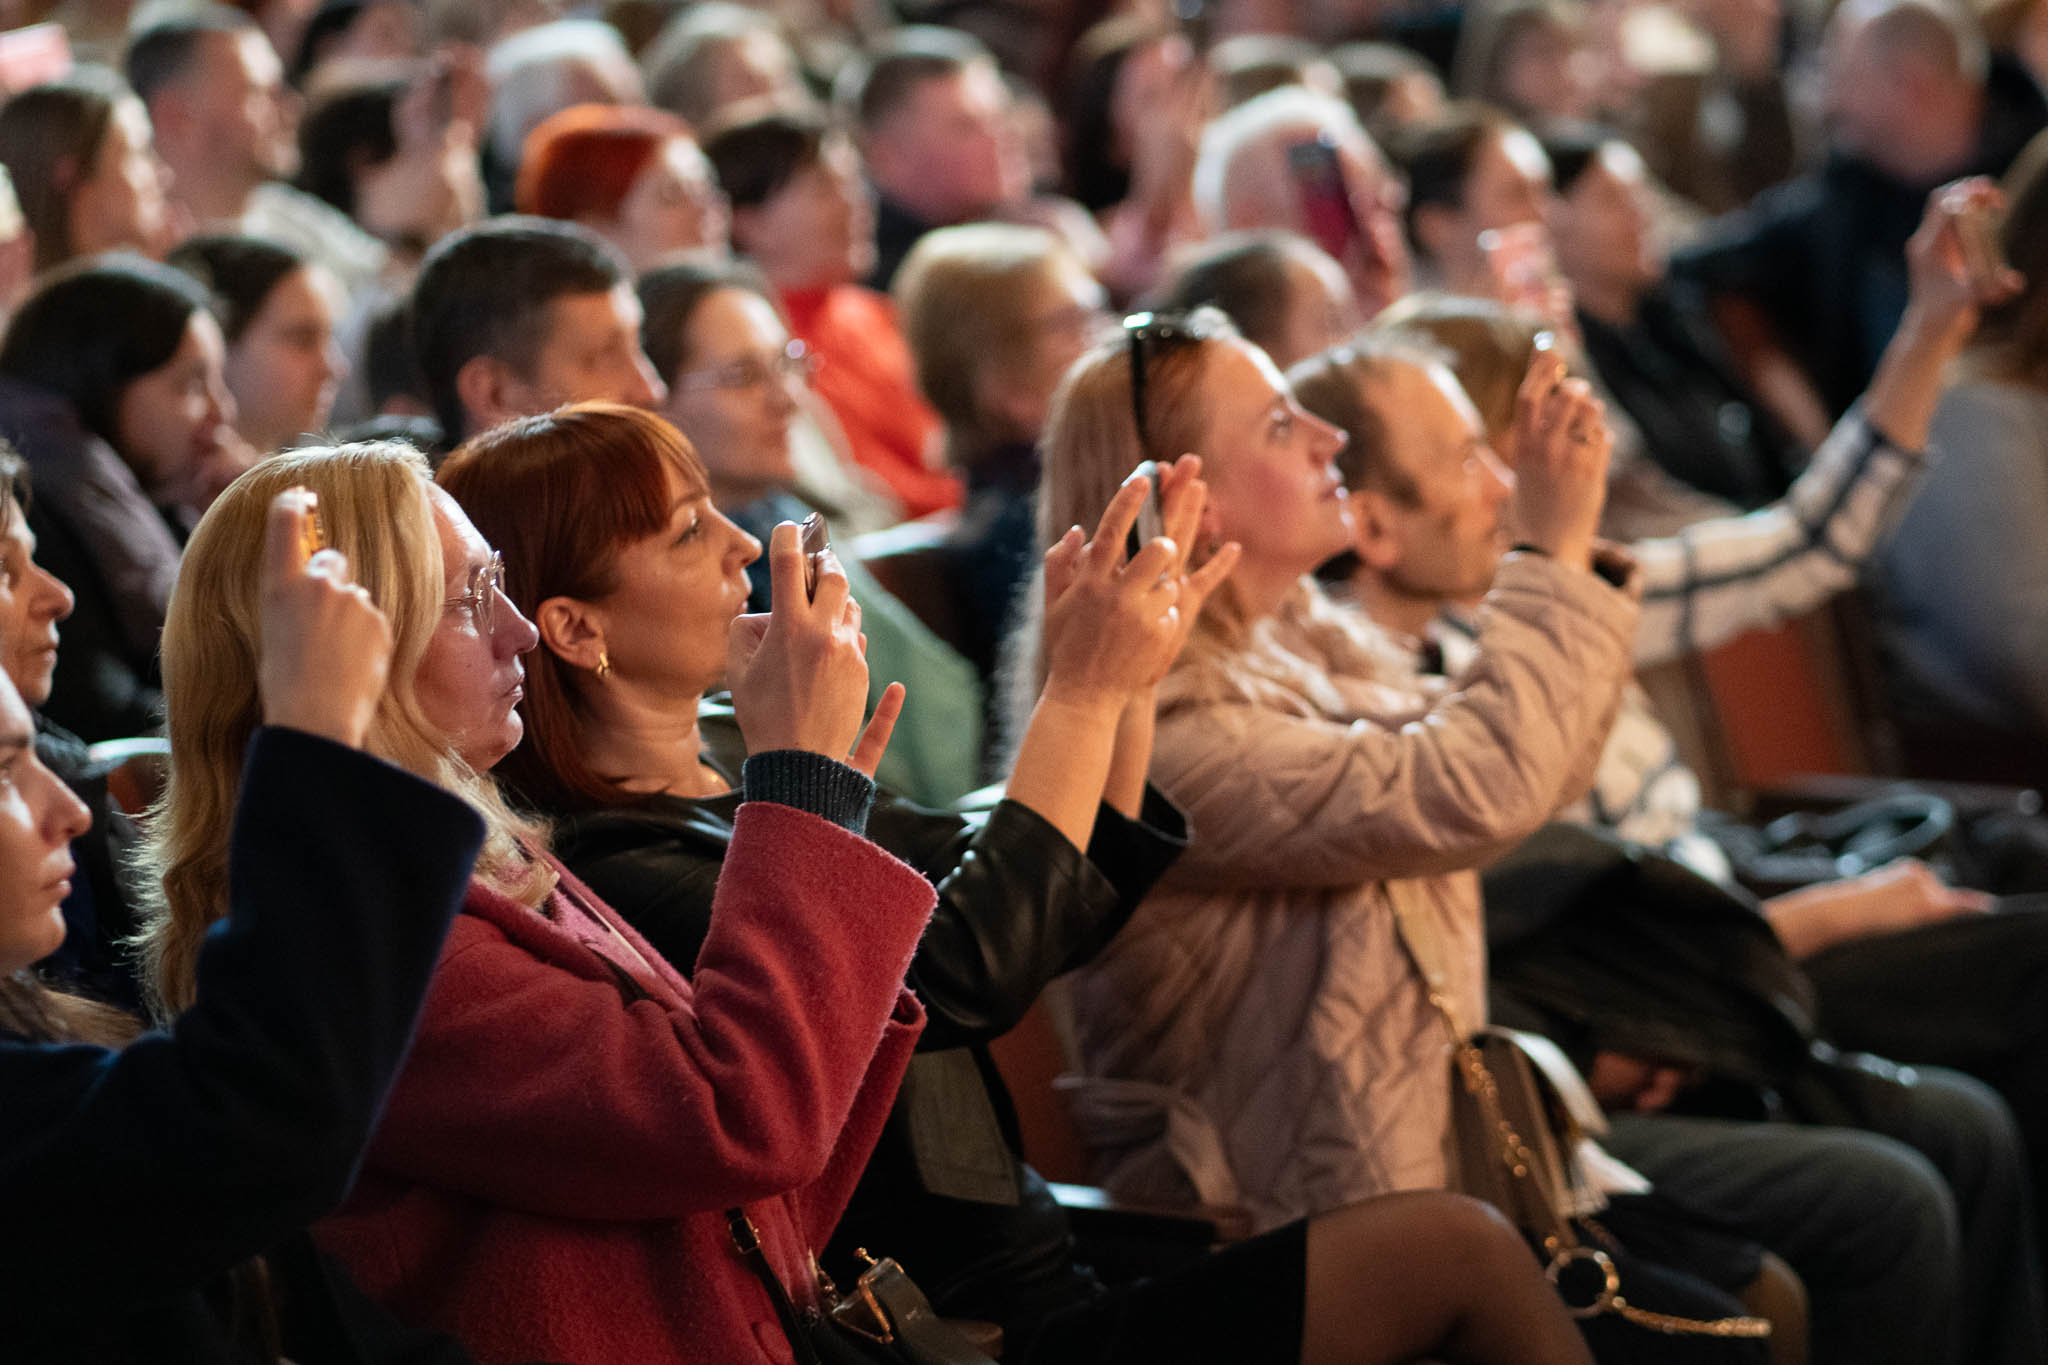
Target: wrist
{"points": [[1933, 335], [324, 722], [1086, 703]]}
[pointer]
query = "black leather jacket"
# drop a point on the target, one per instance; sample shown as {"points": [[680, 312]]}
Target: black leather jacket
{"points": [[945, 1192]]}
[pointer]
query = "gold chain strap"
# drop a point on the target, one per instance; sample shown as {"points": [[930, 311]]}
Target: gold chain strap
{"points": [[1562, 1245]]}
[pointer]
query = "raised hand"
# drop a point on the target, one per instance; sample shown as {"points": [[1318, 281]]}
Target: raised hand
{"points": [[1954, 267], [1114, 626], [324, 649], [1562, 444], [799, 673]]}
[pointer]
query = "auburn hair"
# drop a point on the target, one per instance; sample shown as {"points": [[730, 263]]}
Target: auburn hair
{"points": [[583, 161], [560, 495]]}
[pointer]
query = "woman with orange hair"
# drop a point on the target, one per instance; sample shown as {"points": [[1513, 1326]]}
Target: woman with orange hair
{"points": [[633, 175]]}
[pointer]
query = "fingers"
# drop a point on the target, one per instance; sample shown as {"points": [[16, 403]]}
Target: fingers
{"points": [[1184, 495], [1970, 902], [1156, 560], [1063, 563], [786, 566], [1209, 577], [874, 737], [1106, 548]]}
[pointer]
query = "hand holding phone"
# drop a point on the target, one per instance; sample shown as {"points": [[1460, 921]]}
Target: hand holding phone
{"points": [[323, 648]]}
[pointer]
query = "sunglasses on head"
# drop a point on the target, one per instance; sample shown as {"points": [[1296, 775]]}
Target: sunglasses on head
{"points": [[1142, 330]]}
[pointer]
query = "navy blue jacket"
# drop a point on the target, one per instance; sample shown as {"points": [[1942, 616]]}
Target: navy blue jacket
{"points": [[130, 1181]]}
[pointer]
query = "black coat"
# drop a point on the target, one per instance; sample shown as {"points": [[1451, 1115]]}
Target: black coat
{"points": [[131, 1181], [945, 1191], [1823, 256]]}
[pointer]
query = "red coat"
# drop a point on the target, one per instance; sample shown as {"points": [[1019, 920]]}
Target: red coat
{"points": [[867, 377], [549, 1180]]}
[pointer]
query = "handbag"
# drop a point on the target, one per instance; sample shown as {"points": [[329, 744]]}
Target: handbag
{"points": [[1523, 1149], [887, 1320], [1530, 1152]]}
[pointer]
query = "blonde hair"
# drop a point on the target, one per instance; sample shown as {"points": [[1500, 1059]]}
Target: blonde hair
{"points": [[374, 509], [965, 295], [1488, 345]]}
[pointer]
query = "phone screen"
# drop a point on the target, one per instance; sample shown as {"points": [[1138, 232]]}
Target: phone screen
{"points": [[1325, 200]]}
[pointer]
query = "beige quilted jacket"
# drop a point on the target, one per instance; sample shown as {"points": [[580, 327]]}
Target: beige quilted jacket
{"points": [[1257, 1036]]}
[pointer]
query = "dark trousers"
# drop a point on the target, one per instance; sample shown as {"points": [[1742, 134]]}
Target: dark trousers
{"points": [[1914, 1233], [1969, 993]]}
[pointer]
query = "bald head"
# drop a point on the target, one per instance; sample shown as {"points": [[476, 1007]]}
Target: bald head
{"points": [[1905, 86], [1247, 177]]}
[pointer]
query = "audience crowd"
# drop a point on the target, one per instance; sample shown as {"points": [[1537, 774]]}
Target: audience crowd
{"points": [[641, 523]]}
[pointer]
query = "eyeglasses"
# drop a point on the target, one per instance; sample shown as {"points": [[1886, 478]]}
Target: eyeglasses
{"points": [[793, 361], [480, 599], [1165, 330]]}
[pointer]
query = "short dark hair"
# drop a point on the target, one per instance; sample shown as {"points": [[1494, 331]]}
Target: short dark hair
{"points": [[870, 89], [485, 291], [239, 271], [347, 131], [756, 157], [163, 52], [670, 296], [1573, 148], [1242, 273], [391, 367], [1437, 156], [60, 338]]}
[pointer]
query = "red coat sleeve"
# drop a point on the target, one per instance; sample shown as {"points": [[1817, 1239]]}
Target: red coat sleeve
{"points": [[536, 1087]]}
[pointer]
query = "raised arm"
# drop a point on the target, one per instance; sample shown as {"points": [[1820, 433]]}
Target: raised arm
{"points": [[154, 1168], [1719, 578], [535, 1085], [1112, 629]]}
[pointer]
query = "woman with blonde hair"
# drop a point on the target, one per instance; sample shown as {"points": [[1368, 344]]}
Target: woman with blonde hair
{"points": [[580, 1135], [204, 1145], [1270, 1030]]}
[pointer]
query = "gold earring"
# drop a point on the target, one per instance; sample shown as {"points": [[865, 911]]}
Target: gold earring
{"points": [[604, 665]]}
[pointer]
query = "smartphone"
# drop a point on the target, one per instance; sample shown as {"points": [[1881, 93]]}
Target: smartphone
{"points": [[1326, 208], [814, 540], [1151, 522], [312, 535]]}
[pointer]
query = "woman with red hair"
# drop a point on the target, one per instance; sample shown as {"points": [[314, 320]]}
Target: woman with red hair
{"points": [[633, 175]]}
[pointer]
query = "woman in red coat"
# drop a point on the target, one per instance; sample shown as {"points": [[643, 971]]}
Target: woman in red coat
{"points": [[551, 1176]]}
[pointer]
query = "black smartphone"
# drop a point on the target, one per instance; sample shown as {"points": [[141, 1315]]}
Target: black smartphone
{"points": [[814, 540], [1326, 208]]}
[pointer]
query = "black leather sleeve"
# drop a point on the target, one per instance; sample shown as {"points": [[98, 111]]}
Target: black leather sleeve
{"points": [[1019, 905]]}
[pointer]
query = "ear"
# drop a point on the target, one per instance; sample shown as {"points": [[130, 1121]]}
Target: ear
{"points": [[1436, 227], [490, 392], [1376, 531], [571, 630]]}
